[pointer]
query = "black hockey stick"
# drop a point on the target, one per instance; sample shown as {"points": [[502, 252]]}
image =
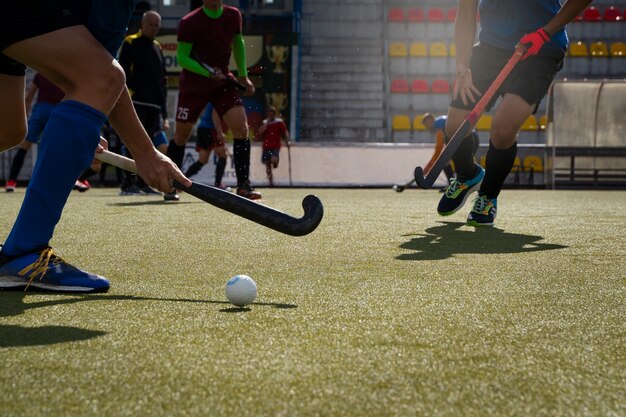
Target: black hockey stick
{"points": [[466, 127], [258, 213], [214, 72], [401, 187]]}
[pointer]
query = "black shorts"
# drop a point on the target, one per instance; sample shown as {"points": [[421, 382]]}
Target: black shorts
{"points": [[150, 118], [207, 139], [530, 79]]}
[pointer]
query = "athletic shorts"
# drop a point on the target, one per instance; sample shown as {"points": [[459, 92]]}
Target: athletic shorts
{"points": [[207, 139], [38, 120], [24, 19], [268, 154], [530, 79], [159, 138], [192, 101]]}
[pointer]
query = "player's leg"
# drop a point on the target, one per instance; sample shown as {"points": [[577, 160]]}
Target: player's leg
{"points": [[12, 110], [204, 144], [507, 121], [236, 119], [468, 174], [73, 60]]}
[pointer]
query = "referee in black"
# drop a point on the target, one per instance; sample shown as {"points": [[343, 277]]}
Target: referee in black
{"points": [[142, 60]]}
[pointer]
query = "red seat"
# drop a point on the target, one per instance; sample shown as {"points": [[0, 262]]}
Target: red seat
{"points": [[419, 86], [415, 15], [592, 14], [399, 86], [440, 87], [396, 14], [452, 14], [611, 14], [435, 15]]}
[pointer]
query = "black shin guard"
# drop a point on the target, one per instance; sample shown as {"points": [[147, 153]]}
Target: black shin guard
{"points": [[241, 154], [176, 153], [18, 162], [219, 170], [498, 164], [194, 168]]}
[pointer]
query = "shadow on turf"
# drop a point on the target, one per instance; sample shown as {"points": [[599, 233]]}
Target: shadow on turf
{"points": [[149, 203], [447, 240], [13, 303]]}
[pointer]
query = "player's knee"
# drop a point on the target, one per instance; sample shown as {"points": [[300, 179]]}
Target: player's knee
{"points": [[502, 135], [11, 135]]}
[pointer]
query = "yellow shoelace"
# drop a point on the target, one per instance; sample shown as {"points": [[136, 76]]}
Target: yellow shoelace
{"points": [[39, 268]]}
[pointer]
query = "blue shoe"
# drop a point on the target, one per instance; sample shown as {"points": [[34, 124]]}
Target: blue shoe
{"points": [[457, 192], [484, 211], [44, 270]]}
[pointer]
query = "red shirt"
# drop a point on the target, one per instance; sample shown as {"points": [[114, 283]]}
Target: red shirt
{"points": [[211, 39], [275, 131], [48, 92]]}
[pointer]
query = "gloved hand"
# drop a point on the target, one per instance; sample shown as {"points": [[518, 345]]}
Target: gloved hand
{"points": [[533, 42]]}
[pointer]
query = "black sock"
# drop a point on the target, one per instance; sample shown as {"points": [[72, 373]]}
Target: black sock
{"points": [[176, 153], [497, 166], [219, 170], [86, 174], [18, 162], [241, 154], [194, 168], [464, 159]]}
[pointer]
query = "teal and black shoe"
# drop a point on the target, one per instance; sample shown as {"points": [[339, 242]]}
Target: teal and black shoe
{"points": [[457, 192], [46, 271], [484, 211]]}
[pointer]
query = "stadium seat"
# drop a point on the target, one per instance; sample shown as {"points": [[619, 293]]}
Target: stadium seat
{"points": [[528, 131], [483, 161], [592, 23], [452, 14], [417, 123], [578, 60], [436, 24], [440, 94], [599, 59], [420, 133], [452, 51], [575, 28], [420, 99], [543, 122], [617, 64], [440, 86], [399, 57], [399, 98], [613, 24], [438, 62], [416, 29], [533, 164], [530, 124], [418, 58], [450, 19], [484, 123], [401, 127], [395, 14]]}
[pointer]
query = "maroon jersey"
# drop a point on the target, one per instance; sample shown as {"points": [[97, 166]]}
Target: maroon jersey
{"points": [[48, 92], [273, 134], [211, 39]]}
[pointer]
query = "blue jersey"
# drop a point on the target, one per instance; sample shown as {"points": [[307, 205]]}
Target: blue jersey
{"points": [[206, 121], [504, 22], [440, 123]]}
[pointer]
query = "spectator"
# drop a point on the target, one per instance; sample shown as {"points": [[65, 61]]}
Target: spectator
{"points": [[272, 131], [142, 61]]}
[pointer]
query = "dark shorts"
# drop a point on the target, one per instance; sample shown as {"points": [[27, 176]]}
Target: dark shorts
{"points": [[530, 79], [195, 93], [268, 154], [207, 139], [150, 118], [24, 19]]}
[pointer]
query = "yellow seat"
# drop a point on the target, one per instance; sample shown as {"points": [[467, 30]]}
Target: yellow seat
{"points": [[543, 122], [452, 51], [483, 161], [438, 50], [517, 164], [598, 49], [418, 49], [533, 163], [618, 49], [417, 123], [530, 123], [578, 49], [484, 123], [397, 50], [401, 122]]}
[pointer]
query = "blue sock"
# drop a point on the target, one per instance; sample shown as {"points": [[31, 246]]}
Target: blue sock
{"points": [[66, 149]]}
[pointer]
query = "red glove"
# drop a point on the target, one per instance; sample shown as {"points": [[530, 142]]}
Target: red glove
{"points": [[533, 42]]}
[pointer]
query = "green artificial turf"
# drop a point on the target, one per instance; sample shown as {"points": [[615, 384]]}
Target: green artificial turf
{"points": [[386, 309]]}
